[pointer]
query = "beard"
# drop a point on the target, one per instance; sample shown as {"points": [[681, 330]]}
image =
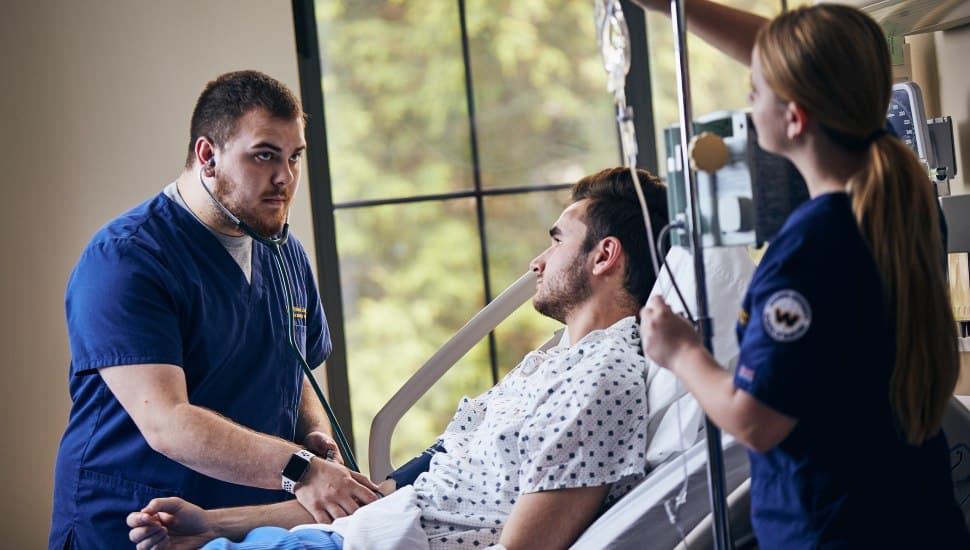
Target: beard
{"points": [[558, 297], [268, 225]]}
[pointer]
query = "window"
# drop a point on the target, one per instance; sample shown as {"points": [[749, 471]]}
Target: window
{"points": [[453, 130]]}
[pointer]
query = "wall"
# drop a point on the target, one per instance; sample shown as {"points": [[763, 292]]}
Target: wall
{"points": [[95, 105]]}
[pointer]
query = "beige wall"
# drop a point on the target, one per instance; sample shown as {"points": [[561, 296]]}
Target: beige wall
{"points": [[94, 105]]}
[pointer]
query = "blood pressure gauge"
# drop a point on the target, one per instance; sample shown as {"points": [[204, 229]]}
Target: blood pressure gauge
{"points": [[908, 120]]}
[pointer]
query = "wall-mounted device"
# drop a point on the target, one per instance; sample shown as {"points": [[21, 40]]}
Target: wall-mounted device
{"points": [[908, 120], [747, 201], [931, 140]]}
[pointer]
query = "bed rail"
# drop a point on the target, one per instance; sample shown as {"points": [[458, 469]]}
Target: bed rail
{"points": [[478, 327]]}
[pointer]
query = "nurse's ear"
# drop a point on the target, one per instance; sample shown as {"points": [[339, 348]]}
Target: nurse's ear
{"points": [[797, 120], [205, 153]]}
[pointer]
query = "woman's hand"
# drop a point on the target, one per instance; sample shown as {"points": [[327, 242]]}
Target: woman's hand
{"points": [[665, 335]]}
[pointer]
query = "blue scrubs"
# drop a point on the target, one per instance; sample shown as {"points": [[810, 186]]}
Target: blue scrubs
{"points": [[155, 286], [817, 344]]}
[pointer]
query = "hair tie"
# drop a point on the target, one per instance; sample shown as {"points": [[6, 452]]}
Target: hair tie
{"points": [[876, 135]]}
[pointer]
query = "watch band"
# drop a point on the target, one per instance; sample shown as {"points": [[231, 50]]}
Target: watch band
{"points": [[295, 469]]}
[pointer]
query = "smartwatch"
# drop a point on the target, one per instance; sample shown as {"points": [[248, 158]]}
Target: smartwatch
{"points": [[295, 469]]}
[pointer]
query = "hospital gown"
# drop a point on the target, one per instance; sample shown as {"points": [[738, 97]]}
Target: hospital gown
{"points": [[572, 416]]}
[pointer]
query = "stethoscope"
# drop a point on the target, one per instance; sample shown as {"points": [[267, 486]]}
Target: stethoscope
{"points": [[275, 244]]}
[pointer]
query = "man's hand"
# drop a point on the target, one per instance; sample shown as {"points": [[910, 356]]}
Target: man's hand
{"points": [[663, 333], [330, 491], [319, 443], [169, 523]]}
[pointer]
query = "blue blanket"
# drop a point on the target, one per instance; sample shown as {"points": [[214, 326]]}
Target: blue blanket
{"points": [[275, 538]]}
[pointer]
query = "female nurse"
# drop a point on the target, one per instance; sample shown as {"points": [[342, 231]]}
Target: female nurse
{"points": [[848, 344]]}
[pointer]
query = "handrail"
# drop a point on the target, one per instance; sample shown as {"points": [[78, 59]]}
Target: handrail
{"points": [[478, 327]]}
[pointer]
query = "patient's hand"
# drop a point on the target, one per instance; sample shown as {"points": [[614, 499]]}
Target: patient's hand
{"points": [[387, 486], [169, 523]]}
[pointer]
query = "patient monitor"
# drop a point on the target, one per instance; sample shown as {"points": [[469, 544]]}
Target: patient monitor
{"points": [[930, 139]]}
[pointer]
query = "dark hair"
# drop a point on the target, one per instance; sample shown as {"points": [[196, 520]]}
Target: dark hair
{"points": [[229, 97], [614, 210]]}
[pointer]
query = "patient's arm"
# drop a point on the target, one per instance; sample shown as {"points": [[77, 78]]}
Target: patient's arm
{"points": [[552, 519], [176, 523], [387, 486]]}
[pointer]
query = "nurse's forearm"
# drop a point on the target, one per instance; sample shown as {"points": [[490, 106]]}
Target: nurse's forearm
{"points": [[219, 448], [213, 445], [728, 29], [735, 411], [710, 384], [155, 397]]}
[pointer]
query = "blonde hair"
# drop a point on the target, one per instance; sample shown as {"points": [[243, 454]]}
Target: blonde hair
{"points": [[833, 61]]}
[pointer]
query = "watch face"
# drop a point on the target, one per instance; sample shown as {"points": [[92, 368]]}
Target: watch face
{"points": [[901, 120], [295, 468]]}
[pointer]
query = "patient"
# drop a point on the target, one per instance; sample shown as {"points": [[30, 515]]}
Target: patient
{"points": [[533, 461]]}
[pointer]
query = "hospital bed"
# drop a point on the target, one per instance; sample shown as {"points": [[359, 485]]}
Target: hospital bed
{"points": [[639, 514], [640, 519]]}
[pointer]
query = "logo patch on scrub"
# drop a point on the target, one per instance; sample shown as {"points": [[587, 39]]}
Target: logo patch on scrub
{"points": [[786, 316]]}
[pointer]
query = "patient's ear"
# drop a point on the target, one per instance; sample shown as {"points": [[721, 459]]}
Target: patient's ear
{"points": [[607, 256]]}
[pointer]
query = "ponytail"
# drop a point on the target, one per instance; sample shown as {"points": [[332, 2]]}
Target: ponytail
{"points": [[833, 60], [896, 209]]}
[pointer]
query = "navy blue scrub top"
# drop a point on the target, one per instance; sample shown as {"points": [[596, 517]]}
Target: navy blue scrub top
{"points": [[817, 344], [155, 286]]}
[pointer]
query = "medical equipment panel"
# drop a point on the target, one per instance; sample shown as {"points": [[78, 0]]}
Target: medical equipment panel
{"points": [[747, 201]]}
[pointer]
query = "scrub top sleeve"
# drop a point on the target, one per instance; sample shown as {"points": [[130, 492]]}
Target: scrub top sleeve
{"points": [[120, 309], [781, 361]]}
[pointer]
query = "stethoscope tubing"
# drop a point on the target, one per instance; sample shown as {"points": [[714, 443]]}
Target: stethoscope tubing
{"points": [[275, 244], [338, 434]]}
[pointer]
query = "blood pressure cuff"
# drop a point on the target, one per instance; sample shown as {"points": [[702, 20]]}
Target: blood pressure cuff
{"points": [[405, 475]]}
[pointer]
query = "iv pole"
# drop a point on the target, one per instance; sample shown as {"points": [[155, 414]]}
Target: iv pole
{"points": [[614, 41], [715, 460]]}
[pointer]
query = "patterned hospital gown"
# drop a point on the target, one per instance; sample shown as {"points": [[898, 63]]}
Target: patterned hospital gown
{"points": [[573, 416]]}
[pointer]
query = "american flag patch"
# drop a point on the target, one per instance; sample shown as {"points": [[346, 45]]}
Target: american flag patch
{"points": [[746, 373]]}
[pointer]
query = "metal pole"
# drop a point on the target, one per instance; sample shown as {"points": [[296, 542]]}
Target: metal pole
{"points": [[715, 461]]}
